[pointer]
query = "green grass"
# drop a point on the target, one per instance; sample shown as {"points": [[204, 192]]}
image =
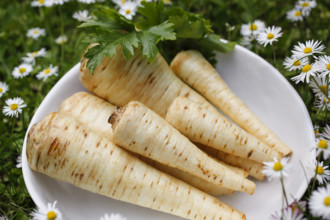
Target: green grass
{"points": [[18, 16]]}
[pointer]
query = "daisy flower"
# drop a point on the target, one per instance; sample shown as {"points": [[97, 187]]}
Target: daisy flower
{"points": [[322, 172], [276, 169], [322, 103], [167, 2], [36, 32], [294, 15], [128, 10], [269, 35], [306, 6], [61, 39], [19, 161], [81, 15], [40, 3], [13, 107], [248, 40], [288, 214], [112, 217], [326, 133], [320, 88], [322, 145], [253, 28], [306, 72], [87, 1], [323, 65], [294, 63], [319, 202], [50, 71], [30, 57], [47, 213], [317, 131], [22, 70], [119, 2], [3, 88], [309, 48]]}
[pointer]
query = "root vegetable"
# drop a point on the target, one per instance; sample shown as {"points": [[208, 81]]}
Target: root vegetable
{"points": [[211, 129], [195, 70], [139, 129], [64, 149]]}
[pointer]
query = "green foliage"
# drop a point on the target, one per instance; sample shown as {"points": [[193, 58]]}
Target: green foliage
{"points": [[155, 23]]}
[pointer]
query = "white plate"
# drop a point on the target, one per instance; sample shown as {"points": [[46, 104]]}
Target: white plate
{"points": [[257, 83]]}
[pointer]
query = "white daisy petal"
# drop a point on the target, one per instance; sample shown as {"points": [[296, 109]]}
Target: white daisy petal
{"points": [[82, 16], [46, 213], [322, 103], [87, 1], [128, 10], [309, 48], [319, 202], [326, 133], [322, 172], [35, 33], [46, 73], [30, 57], [19, 161], [22, 70], [275, 169], [320, 88], [306, 72], [294, 63], [323, 65], [323, 145], [41, 3], [61, 39], [3, 88], [306, 6], [269, 35], [253, 28], [112, 217], [13, 107], [294, 14], [288, 214]]}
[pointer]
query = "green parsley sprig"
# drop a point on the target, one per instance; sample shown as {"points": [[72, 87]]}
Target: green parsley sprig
{"points": [[154, 23]]}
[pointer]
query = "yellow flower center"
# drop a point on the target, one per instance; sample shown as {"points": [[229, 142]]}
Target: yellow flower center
{"points": [[35, 31], [13, 106], [305, 4], [323, 88], [323, 144], [296, 63], [41, 1], [298, 13], [253, 27], [1, 90], [278, 166], [47, 71], [328, 66], [307, 50], [123, 1], [167, 1], [319, 170], [306, 68], [316, 131], [22, 70], [270, 36], [128, 11], [51, 215], [35, 53], [327, 201]]}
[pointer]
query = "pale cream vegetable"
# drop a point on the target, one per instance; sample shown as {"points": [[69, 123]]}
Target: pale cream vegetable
{"points": [[64, 149], [93, 112], [195, 70], [253, 168], [139, 129], [119, 81], [89, 110], [211, 129]]}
